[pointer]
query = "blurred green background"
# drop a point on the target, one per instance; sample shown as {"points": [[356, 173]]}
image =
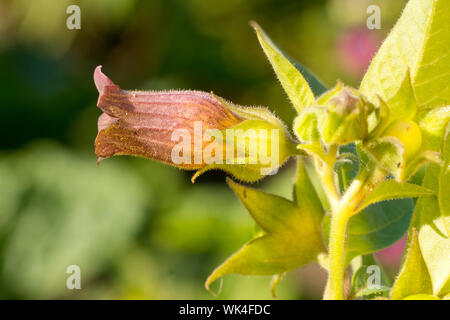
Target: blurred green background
{"points": [[139, 229]]}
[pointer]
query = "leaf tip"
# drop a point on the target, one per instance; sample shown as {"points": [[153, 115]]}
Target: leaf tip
{"points": [[211, 278], [254, 25], [199, 172], [276, 279]]}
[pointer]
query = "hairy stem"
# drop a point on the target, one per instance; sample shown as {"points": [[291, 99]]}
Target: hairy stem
{"points": [[337, 257], [338, 236], [328, 176]]}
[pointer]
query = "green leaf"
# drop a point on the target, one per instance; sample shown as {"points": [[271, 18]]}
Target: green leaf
{"points": [[317, 184], [291, 79], [378, 226], [413, 277], [306, 125], [444, 183], [432, 124], [291, 237], [315, 84], [390, 189], [317, 87], [305, 196], [419, 42], [433, 241], [403, 104]]}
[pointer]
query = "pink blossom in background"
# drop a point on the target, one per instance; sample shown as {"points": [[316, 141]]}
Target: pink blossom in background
{"points": [[356, 47], [391, 257]]}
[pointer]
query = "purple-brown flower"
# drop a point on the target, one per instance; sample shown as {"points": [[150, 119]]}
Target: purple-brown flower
{"points": [[141, 123]]}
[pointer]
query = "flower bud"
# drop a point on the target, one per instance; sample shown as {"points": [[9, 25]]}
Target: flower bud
{"points": [[143, 123], [345, 118], [339, 116], [188, 129]]}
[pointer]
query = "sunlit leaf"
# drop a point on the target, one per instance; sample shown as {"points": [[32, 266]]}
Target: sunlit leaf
{"points": [[403, 105], [444, 183], [432, 124], [390, 189], [433, 241], [306, 125], [413, 277], [291, 79], [305, 196], [291, 234], [420, 43]]}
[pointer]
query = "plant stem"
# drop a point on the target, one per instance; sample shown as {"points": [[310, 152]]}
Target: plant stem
{"points": [[337, 257], [328, 176], [338, 237]]}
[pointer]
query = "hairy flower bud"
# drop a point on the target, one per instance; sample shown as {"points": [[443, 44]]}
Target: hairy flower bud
{"points": [[345, 118], [143, 123], [337, 117], [190, 130]]}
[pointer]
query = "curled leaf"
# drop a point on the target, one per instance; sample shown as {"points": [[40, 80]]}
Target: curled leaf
{"points": [[276, 279]]}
